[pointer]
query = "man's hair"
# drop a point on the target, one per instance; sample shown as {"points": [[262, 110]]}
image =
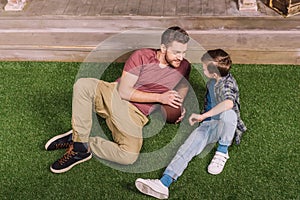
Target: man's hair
{"points": [[174, 33], [218, 61]]}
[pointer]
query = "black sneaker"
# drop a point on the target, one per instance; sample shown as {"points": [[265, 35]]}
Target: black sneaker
{"points": [[69, 160], [62, 141]]}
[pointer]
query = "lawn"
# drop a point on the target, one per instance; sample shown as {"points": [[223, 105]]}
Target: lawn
{"points": [[36, 100]]}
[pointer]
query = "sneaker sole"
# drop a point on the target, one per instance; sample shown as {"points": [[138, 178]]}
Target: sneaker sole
{"points": [[214, 172], [55, 138], [143, 188], [70, 167]]}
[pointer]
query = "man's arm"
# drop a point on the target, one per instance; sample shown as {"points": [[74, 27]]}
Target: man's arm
{"points": [[127, 92]]}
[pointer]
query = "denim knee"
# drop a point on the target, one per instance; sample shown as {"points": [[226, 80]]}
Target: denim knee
{"points": [[229, 122], [229, 117]]}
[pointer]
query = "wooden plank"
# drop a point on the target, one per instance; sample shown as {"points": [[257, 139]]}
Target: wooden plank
{"points": [[35, 7], [133, 7], [96, 7], [238, 56], [170, 7], [270, 57], [157, 8], [42, 33], [195, 8], [54, 7], [219, 7], [252, 40], [84, 7], [59, 39], [182, 7], [207, 7], [258, 43], [121, 23], [145, 7], [43, 55], [120, 7], [72, 7], [108, 7]]}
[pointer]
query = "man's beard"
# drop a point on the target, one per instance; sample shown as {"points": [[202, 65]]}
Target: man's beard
{"points": [[169, 62]]}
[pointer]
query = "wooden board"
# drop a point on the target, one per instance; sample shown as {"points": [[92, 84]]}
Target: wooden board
{"points": [[145, 8], [157, 8], [69, 31], [195, 8], [247, 46], [133, 7], [170, 7], [208, 7], [182, 8]]}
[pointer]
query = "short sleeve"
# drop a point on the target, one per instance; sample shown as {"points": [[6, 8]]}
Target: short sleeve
{"points": [[134, 63]]}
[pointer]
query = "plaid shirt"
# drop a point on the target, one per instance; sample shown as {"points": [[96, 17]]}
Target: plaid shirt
{"points": [[227, 89]]}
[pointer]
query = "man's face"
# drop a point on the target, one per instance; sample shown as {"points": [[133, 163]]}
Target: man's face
{"points": [[175, 53]]}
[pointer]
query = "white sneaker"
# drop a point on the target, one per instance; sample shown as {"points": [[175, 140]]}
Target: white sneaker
{"points": [[217, 164], [152, 187]]}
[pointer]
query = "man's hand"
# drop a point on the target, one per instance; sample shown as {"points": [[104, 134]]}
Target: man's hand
{"points": [[182, 116], [171, 98]]}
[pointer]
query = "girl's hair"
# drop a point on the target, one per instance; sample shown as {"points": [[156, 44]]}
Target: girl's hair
{"points": [[218, 61], [174, 33]]}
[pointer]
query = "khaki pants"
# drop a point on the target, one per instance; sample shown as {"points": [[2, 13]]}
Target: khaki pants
{"points": [[123, 119]]}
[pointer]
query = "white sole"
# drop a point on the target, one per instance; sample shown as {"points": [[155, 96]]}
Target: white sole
{"points": [[214, 172], [143, 188], [56, 137], [68, 168]]}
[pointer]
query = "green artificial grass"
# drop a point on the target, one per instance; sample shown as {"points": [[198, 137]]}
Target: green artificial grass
{"points": [[36, 100]]}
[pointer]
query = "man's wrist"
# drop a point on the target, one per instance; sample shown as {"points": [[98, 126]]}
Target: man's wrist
{"points": [[157, 98]]}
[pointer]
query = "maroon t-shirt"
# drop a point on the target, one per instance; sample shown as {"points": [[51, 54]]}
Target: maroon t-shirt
{"points": [[153, 78]]}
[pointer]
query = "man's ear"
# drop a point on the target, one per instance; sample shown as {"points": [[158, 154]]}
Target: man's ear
{"points": [[163, 48]]}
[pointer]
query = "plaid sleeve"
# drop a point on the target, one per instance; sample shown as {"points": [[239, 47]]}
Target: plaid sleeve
{"points": [[230, 91]]}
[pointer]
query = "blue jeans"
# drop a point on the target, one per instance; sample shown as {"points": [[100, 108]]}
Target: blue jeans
{"points": [[208, 132]]}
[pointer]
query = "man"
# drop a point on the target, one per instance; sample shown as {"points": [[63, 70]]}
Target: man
{"points": [[149, 77]]}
